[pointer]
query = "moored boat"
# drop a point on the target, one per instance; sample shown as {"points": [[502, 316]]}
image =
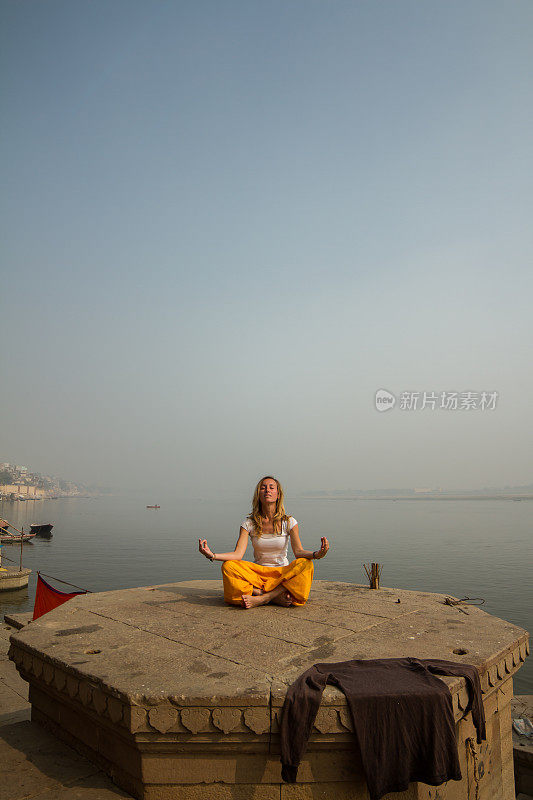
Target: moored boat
{"points": [[43, 529], [18, 536], [7, 537], [153, 506]]}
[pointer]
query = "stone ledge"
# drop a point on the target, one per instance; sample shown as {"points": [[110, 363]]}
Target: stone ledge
{"points": [[18, 620], [247, 711], [170, 673]]}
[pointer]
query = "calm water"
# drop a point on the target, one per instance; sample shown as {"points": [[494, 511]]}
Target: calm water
{"points": [[475, 548]]}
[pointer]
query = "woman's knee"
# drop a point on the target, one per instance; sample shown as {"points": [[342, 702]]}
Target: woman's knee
{"points": [[305, 563], [229, 567]]}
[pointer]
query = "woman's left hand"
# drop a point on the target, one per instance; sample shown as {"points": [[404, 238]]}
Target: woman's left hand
{"points": [[323, 548]]}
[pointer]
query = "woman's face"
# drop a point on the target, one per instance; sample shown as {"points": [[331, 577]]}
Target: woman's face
{"points": [[268, 491]]}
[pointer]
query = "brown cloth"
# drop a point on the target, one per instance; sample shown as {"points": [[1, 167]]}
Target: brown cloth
{"points": [[402, 717]]}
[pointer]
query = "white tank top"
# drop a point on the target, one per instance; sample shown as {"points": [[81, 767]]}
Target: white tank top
{"points": [[270, 549]]}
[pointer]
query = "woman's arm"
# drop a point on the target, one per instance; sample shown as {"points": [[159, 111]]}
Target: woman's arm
{"points": [[236, 555], [299, 551]]}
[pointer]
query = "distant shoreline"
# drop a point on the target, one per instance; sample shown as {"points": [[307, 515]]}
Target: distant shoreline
{"points": [[423, 497]]}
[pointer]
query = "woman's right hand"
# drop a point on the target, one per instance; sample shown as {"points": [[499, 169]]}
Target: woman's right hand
{"points": [[204, 549]]}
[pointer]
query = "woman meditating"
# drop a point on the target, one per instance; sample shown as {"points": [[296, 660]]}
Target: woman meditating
{"points": [[269, 578]]}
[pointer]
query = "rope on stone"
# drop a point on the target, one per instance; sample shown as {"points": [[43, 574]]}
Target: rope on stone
{"points": [[467, 601]]}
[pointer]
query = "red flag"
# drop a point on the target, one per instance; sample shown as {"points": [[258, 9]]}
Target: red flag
{"points": [[47, 598]]}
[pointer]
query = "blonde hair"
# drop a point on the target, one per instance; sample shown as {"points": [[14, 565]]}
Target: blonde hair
{"points": [[280, 516]]}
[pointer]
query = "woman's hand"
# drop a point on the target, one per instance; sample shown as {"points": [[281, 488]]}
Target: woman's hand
{"points": [[204, 549], [324, 547]]}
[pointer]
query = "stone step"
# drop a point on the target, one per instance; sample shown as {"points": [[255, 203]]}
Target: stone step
{"points": [[19, 620]]}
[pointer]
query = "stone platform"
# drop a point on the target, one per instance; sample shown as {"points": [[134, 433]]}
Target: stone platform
{"points": [[176, 695], [33, 763], [13, 579]]}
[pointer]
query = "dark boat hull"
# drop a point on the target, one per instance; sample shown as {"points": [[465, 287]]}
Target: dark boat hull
{"points": [[44, 530]]}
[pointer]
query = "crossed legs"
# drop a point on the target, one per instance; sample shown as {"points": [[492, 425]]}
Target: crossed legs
{"points": [[279, 596], [248, 584]]}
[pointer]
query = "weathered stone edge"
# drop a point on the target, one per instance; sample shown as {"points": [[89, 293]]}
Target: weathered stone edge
{"points": [[205, 716], [505, 663], [18, 620]]}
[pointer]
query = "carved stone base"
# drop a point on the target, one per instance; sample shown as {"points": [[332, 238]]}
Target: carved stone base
{"points": [[176, 695]]}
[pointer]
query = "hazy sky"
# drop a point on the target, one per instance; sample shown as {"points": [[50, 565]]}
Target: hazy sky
{"points": [[225, 225]]}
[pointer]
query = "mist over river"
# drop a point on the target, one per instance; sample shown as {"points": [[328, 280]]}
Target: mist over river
{"points": [[474, 548]]}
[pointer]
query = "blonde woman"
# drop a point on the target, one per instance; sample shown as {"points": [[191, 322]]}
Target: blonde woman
{"points": [[269, 578]]}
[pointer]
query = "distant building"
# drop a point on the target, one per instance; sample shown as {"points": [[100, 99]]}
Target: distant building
{"points": [[21, 490]]}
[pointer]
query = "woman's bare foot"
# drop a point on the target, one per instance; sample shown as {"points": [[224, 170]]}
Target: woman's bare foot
{"points": [[284, 599], [251, 600]]}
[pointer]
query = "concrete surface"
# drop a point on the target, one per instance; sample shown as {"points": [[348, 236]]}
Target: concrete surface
{"points": [[33, 763], [177, 695]]}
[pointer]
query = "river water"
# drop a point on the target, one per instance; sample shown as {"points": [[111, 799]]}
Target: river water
{"points": [[466, 548]]}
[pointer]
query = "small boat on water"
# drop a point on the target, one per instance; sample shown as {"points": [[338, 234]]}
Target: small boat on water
{"points": [[14, 539], [44, 529], [153, 506], [18, 536]]}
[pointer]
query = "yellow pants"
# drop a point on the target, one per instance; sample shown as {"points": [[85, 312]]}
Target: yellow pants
{"points": [[241, 577]]}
